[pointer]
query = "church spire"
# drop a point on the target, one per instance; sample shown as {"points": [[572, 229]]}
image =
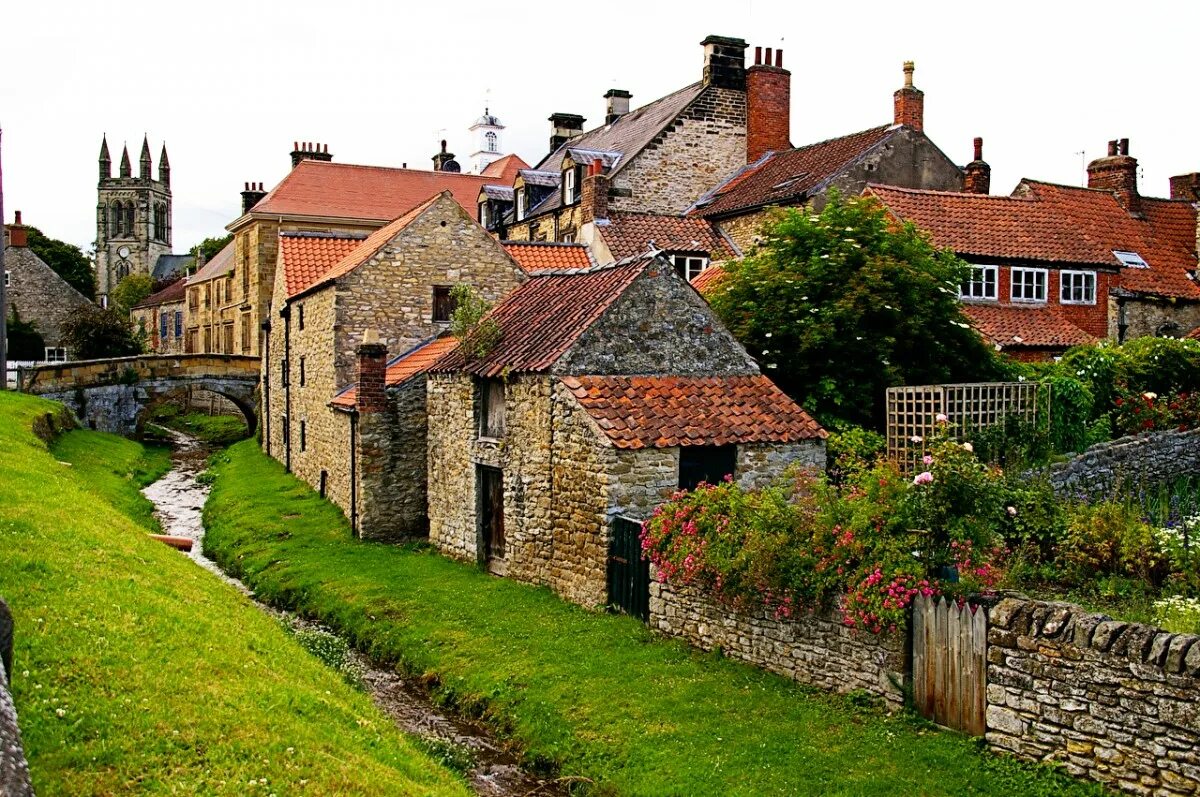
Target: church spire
{"points": [[164, 166], [146, 164], [126, 168], [105, 160]]}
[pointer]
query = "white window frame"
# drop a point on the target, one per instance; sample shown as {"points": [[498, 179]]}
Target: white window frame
{"points": [[1085, 276], [1012, 285], [688, 262], [56, 354], [483, 214], [521, 204], [570, 190], [7, 278], [971, 282], [567, 237]]}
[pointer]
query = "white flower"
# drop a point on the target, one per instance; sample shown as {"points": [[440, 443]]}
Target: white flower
{"points": [[943, 418], [916, 438], [1150, 395], [968, 447], [1012, 511]]}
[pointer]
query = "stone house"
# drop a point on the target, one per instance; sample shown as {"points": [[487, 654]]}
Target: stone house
{"points": [[36, 293], [160, 318], [611, 387], [209, 308], [330, 290]]}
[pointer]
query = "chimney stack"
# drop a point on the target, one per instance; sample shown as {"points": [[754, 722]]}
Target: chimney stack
{"points": [[725, 62], [372, 374], [444, 161], [1117, 172], [617, 105], [593, 202], [909, 101], [1186, 186], [307, 151], [252, 194], [768, 105], [17, 234], [563, 127], [977, 175]]}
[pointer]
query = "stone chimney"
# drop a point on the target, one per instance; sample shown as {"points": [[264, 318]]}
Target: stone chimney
{"points": [[768, 105], [444, 161], [307, 151], [593, 202], [252, 194], [725, 62], [1186, 186], [17, 234], [372, 374], [616, 105], [977, 175], [909, 101], [564, 126], [1117, 172]]}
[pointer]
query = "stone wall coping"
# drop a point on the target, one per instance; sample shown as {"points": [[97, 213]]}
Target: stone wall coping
{"points": [[1122, 443]]}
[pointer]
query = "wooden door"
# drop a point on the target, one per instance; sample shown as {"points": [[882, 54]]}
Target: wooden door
{"points": [[628, 570], [950, 663], [491, 509]]}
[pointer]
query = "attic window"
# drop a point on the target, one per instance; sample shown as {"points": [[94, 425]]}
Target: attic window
{"points": [[1130, 259], [689, 266], [522, 207], [443, 304], [570, 186], [483, 214]]}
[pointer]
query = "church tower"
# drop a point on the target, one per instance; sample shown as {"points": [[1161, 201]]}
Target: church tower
{"points": [[133, 217], [486, 132]]}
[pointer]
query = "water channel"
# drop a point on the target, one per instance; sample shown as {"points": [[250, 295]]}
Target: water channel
{"points": [[179, 500]]}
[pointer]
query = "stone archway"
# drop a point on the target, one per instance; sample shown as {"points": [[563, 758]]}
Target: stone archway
{"points": [[155, 399]]}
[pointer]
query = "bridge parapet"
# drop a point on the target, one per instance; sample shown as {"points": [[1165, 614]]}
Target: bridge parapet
{"points": [[83, 374]]}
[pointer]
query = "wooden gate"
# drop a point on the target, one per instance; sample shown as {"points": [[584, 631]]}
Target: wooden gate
{"points": [[950, 663], [628, 570]]}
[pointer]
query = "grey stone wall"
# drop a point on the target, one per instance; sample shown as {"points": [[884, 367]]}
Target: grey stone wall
{"points": [[1150, 317], [907, 159], [391, 467], [1149, 458], [14, 769], [758, 464], [38, 294], [815, 649], [1114, 702]]}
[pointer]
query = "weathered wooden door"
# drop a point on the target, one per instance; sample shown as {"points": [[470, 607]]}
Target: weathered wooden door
{"points": [[491, 514], [628, 570], [950, 663]]}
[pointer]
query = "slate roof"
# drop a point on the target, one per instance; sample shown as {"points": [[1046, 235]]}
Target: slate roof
{"points": [[305, 257], [667, 411], [172, 293], [628, 234], [169, 265], [221, 264], [501, 192], [542, 318], [403, 367], [790, 175], [536, 177], [1018, 326], [534, 256]]}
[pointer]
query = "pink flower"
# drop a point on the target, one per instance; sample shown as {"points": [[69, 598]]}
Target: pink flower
{"points": [[925, 477], [942, 418], [928, 460], [1012, 511], [915, 438]]}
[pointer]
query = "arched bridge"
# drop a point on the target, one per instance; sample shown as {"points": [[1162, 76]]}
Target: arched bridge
{"points": [[115, 395]]}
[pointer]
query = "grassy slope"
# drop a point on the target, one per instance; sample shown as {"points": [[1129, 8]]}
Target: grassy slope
{"points": [[597, 694], [168, 680], [218, 430], [114, 469]]}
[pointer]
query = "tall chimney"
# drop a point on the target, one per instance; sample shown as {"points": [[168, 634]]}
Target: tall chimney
{"points": [[725, 62], [1186, 186], [977, 175], [1117, 172], [252, 194], [593, 202], [307, 151], [563, 127], [768, 105], [909, 101], [18, 236], [372, 374], [617, 105]]}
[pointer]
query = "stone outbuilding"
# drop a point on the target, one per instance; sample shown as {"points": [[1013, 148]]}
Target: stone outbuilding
{"points": [[610, 388], [36, 293]]}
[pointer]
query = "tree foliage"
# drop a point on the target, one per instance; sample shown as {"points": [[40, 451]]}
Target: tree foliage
{"points": [[94, 333], [130, 291], [24, 341], [477, 333], [838, 306], [210, 247], [67, 260]]}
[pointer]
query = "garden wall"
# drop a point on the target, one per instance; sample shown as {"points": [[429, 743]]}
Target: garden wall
{"points": [[815, 649], [14, 770], [1149, 458], [1115, 702]]}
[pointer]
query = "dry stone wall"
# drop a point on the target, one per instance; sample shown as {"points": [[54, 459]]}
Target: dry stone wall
{"points": [[1149, 458]]}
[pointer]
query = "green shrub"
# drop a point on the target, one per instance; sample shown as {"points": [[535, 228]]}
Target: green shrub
{"points": [[851, 449], [1035, 518], [1161, 365], [1071, 404], [1178, 614], [1111, 539]]}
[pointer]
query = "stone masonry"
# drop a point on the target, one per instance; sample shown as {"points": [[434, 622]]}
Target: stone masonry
{"points": [[37, 294], [1151, 458]]}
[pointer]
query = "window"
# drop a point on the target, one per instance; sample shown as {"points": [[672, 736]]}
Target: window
{"points": [[287, 436], [283, 372], [162, 326], [7, 278], [303, 436], [688, 266], [193, 297], [493, 144], [491, 409], [178, 323], [710, 464], [1028, 285], [1130, 259], [521, 205], [981, 284], [301, 318], [443, 304], [246, 277], [128, 230], [245, 333], [56, 354], [1077, 287], [567, 237], [117, 218], [570, 187], [483, 214], [302, 372]]}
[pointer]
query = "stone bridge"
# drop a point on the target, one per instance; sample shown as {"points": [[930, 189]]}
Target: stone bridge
{"points": [[116, 395]]}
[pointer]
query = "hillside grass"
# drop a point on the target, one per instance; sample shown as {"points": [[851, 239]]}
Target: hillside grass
{"points": [[596, 696], [135, 671], [216, 430]]}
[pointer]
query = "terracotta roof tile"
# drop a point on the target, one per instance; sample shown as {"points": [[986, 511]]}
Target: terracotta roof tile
{"points": [[707, 279], [534, 256], [666, 411], [404, 367], [504, 169], [305, 257], [172, 293], [630, 234], [220, 265], [788, 176], [1016, 326]]}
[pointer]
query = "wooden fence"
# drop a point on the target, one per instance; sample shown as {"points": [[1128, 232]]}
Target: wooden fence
{"points": [[950, 663]]}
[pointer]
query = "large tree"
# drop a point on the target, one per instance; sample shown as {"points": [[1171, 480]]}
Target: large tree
{"points": [[130, 291], [92, 333], [67, 260], [838, 306], [209, 247]]}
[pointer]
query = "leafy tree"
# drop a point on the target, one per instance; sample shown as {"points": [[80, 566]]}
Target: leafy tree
{"points": [[130, 291], [209, 247], [478, 334], [838, 306], [67, 260], [93, 333], [24, 341]]}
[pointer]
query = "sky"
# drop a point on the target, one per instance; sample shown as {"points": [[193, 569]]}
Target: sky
{"points": [[231, 85]]}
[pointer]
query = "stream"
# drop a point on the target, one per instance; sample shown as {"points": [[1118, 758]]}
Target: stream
{"points": [[179, 497]]}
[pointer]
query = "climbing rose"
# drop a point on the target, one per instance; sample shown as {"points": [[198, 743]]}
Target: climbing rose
{"points": [[942, 418], [925, 477], [1012, 511]]}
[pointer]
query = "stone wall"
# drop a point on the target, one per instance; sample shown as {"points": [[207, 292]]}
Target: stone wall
{"points": [[758, 464], [1150, 458], [14, 769], [746, 230], [1147, 317], [815, 649], [1114, 702], [450, 402], [38, 295], [390, 467]]}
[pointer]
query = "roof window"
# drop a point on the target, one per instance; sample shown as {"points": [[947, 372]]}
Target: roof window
{"points": [[1130, 259]]}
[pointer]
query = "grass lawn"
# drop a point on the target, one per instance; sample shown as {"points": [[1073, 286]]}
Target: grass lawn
{"points": [[597, 695], [217, 430], [137, 671]]}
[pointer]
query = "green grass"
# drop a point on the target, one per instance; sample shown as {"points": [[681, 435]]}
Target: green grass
{"points": [[597, 695], [216, 430], [114, 470], [138, 672]]}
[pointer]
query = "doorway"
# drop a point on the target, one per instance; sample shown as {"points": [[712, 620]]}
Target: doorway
{"points": [[491, 517]]}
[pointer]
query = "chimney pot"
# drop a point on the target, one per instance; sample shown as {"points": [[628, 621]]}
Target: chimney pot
{"points": [[779, 58], [1124, 146], [768, 106], [768, 58], [977, 175], [978, 148], [757, 55], [17, 218], [909, 102], [909, 68]]}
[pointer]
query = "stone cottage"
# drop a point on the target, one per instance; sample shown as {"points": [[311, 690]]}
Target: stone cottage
{"points": [[610, 388], [160, 317], [330, 290]]}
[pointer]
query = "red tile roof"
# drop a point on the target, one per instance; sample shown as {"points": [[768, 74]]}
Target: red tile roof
{"points": [[221, 264], [628, 234], [305, 257], [172, 293], [542, 318], [342, 190], [504, 169], [1012, 326], [707, 279], [414, 361], [536, 256], [666, 411], [787, 177]]}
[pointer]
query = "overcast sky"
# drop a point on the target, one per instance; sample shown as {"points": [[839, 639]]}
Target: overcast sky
{"points": [[230, 85]]}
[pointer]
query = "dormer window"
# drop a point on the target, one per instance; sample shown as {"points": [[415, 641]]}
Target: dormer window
{"points": [[689, 266], [484, 215], [572, 180], [522, 204]]}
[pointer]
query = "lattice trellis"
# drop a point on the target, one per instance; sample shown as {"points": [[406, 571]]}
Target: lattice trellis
{"points": [[912, 412]]}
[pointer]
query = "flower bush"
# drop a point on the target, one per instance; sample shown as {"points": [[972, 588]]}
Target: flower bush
{"points": [[1148, 411]]}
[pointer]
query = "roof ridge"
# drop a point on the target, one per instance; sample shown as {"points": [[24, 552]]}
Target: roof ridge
{"points": [[543, 243], [616, 264], [340, 165], [935, 192], [875, 129], [349, 236]]}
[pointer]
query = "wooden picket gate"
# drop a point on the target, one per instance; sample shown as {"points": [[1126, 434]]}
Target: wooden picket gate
{"points": [[950, 663]]}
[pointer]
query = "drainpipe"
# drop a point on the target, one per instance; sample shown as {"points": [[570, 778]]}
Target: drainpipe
{"points": [[265, 409], [286, 315], [353, 472]]}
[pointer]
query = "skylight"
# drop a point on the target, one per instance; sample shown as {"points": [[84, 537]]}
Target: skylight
{"points": [[1130, 259]]}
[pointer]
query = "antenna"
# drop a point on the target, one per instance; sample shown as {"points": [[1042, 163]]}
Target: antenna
{"points": [[1082, 168]]}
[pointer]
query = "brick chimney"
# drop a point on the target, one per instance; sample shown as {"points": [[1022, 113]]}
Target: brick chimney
{"points": [[768, 105], [909, 101], [17, 234], [594, 199], [725, 62], [372, 374], [564, 126], [307, 151], [1186, 186], [1117, 172], [977, 175], [252, 194], [616, 104]]}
